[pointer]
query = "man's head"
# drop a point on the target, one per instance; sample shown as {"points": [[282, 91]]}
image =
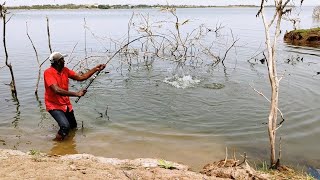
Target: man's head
{"points": [[56, 57], [57, 60]]}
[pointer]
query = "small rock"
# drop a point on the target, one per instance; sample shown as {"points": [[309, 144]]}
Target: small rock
{"points": [[73, 167]]}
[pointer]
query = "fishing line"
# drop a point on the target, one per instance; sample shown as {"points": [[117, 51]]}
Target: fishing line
{"points": [[118, 51]]}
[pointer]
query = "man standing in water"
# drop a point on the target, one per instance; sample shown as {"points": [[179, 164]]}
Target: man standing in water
{"points": [[56, 82]]}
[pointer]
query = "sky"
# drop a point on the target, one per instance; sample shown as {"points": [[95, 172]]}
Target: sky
{"points": [[150, 2]]}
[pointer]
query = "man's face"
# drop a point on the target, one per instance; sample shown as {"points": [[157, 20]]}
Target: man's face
{"points": [[61, 62]]}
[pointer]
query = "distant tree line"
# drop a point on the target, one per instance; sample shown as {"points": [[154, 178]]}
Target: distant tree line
{"points": [[49, 6], [106, 6]]}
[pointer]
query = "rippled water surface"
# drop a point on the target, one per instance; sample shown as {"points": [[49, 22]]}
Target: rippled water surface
{"points": [[184, 114]]}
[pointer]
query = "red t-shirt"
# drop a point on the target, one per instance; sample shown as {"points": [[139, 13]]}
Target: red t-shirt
{"points": [[53, 100]]}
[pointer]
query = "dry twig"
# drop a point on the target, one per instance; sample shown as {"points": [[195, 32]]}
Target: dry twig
{"points": [[48, 32]]}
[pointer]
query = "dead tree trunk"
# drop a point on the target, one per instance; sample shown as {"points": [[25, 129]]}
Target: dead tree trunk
{"points": [[12, 83], [280, 10]]}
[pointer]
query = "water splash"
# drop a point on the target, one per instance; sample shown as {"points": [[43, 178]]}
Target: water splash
{"points": [[181, 82]]}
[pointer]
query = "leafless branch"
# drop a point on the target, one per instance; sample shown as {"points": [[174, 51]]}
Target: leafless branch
{"points": [[99, 39], [261, 8], [244, 159], [9, 18], [226, 158], [129, 25], [261, 94], [280, 78], [273, 19], [39, 66], [48, 32], [316, 13], [232, 45], [44, 61], [85, 37], [12, 83], [70, 59], [84, 60]]}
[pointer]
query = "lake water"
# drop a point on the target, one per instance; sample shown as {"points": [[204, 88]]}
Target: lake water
{"points": [[189, 115]]}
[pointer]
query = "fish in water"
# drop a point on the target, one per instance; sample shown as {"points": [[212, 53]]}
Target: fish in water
{"points": [[214, 86]]}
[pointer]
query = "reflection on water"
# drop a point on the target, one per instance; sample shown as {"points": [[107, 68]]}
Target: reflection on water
{"points": [[16, 118], [43, 112], [67, 146]]}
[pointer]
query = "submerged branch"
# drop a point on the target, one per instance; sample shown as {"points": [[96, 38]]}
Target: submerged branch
{"points": [[232, 45], [12, 83], [35, 50], [48, 32]]}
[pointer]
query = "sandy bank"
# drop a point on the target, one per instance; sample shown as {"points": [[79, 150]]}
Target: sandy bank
{"points": [[34, 165], [19, 165]]}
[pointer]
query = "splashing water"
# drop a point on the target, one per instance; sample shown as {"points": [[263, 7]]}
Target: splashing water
{"points": [[181, 82]]}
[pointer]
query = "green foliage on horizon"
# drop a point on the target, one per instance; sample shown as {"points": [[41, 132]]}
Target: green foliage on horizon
{"points": [[56, 6], [107, 6], [104, 7]]}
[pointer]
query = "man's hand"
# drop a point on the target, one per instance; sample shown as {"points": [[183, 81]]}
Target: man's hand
{"points": [[85, 76], [100, 67], [81, 92]]}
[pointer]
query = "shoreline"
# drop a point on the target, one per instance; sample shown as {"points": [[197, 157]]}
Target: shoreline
{"points": [[16, 164]]}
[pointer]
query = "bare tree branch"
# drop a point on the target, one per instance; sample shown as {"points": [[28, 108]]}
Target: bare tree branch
{"points": [[12, 83], [261, 8], [233, 43], [261, 94], [70, 59], [48, 32], [35, 50]]}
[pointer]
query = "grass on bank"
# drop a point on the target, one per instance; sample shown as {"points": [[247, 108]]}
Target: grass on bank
{"points": [[305, 32], [283, 175], [277, 175]]}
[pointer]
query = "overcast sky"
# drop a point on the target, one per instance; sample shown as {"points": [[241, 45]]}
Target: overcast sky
{"points": [[150, 2]]}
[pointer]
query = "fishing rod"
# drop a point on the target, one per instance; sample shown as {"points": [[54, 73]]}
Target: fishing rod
{"points": [[90, 82], [124, 46]]}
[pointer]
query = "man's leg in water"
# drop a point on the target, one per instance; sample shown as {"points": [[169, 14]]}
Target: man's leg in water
{"points": [[63, 123], [71, 119]]}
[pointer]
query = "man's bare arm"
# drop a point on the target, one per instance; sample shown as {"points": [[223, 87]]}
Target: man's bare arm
{"points": [[85, 76], [63, 92]]}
